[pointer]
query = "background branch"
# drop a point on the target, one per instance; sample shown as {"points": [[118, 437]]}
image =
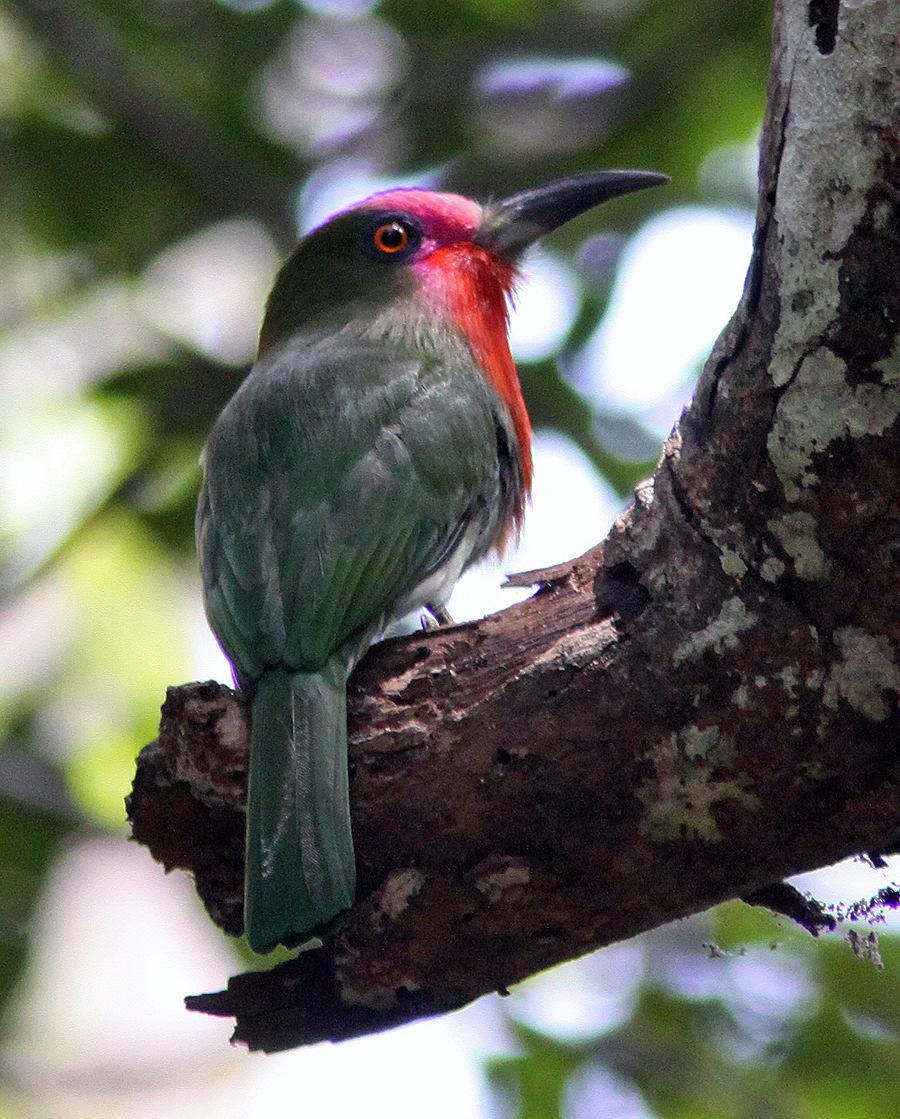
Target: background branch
{"points": [[704, 705]]}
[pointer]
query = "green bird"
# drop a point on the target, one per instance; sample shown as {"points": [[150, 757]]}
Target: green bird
{"points": [[379, 446]]}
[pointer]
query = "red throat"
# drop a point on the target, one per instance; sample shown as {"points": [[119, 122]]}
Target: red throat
{"points": [[474, 286]]}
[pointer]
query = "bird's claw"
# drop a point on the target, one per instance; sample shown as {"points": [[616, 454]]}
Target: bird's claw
{"points": [[436, 616]]}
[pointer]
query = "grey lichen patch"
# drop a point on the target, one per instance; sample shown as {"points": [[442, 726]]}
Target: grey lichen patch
{"points": [[398, 889], [828, 175], [721, 633], [731, 561], [680, 807], [796, 532], [513, 875], [708, 743], [867, 675], [820, 407], [732, 564], [771, 569], [828, 166], [679, 802]]}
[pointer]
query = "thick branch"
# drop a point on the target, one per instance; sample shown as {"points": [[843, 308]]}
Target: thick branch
{"points": [[703, 706]]}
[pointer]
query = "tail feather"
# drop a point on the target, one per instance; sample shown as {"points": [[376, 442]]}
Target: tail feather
{"points": [[300, 868]]}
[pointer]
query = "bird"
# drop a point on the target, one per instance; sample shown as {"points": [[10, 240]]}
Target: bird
{"points": [[378, 447]]}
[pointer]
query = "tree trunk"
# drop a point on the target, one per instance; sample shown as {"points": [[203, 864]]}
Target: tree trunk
{"points": [[700, 706]]}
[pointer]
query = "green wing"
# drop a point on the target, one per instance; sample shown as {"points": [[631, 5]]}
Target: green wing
{"points": [[336, 479]]}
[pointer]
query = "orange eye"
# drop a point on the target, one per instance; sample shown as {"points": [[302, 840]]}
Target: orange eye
{"points": [[392, 237]]}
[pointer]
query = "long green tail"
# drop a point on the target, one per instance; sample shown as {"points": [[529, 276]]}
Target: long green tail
{"points": [[300, 868]]}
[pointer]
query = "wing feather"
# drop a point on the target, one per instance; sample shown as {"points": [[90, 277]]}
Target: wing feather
{"points": [[336, 479]]}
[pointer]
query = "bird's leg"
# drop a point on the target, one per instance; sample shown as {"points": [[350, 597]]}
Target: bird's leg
{"points": [[439, 613]]}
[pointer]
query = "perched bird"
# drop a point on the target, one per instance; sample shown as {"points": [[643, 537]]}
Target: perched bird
{"points": [[378, 447]]}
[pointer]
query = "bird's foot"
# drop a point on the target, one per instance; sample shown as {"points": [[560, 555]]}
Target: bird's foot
{"points": [[436, 616]]}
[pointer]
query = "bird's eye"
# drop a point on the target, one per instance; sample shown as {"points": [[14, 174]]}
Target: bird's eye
{"points": [[391, 237]]}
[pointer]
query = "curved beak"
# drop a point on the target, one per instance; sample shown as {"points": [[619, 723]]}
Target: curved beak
{"points": [[510, 225]]}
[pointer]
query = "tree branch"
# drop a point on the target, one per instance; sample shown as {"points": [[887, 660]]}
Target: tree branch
{"points": [[706, 704]]}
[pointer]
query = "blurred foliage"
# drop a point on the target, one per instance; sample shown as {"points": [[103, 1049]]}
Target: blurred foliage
{"points": [[826, 1045], [29, 840], [156, 158]]}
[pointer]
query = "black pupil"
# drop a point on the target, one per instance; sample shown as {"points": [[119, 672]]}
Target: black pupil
{"points": [[392, 236]]}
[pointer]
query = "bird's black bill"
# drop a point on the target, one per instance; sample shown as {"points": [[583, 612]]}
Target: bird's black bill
{"points": [[512, 224]]}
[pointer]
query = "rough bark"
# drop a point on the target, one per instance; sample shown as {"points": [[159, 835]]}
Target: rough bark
{"points": [[704, 704]]}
